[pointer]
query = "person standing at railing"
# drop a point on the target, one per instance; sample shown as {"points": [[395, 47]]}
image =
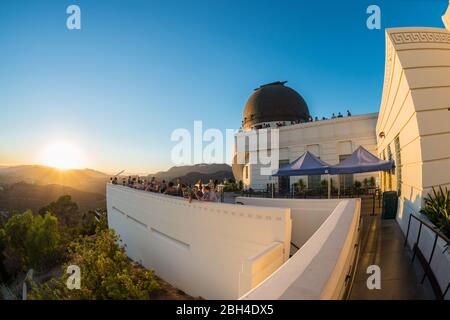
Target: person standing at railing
{"points": [[188, 193], [171, 189]]}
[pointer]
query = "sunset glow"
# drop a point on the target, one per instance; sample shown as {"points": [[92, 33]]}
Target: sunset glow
{"points": [[63, 156]]}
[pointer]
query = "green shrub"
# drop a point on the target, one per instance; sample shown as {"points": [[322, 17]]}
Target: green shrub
{"points": [[106, 273], [437, 209], [30, 242]]}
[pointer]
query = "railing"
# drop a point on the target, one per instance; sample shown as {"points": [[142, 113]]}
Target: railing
{"points": [[350, 277], [374, 194], [428, 271]]}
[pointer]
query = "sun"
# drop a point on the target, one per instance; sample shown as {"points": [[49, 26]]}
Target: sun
{"points": [[63, 156]]}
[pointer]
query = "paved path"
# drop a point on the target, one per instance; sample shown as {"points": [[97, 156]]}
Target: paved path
{"points": [[382, 245]]}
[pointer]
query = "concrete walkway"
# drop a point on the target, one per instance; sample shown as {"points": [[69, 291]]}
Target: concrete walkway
{"points": [[382, 245]]}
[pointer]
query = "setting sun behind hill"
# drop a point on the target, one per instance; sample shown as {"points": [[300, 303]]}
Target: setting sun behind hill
{"points": [[63, 156]]}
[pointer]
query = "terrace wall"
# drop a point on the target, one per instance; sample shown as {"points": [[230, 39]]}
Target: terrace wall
{"points": [[319, 269], [212, 250], [307, 215]]}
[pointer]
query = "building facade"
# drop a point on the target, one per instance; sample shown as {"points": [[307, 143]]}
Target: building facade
{"points": [[413, 127], [276, 106]]}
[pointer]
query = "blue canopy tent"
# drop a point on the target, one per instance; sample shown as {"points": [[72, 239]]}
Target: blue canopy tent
{"points": [[361, 161], [306, 165]]}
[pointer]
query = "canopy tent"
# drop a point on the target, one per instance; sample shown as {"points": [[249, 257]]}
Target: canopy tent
{"points": [[361, 161], [307, 165]]}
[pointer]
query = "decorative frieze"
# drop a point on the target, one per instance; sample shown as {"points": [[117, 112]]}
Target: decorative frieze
{"points": [[420, 37]]}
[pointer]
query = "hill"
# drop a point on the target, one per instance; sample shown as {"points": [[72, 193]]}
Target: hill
{"points": [[193, 173], [22, 196], [82, 179]]}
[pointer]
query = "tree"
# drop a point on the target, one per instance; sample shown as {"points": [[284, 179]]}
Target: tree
{"points": [[106, 273], [301, 185], [2, 247], [14, 237], [30, 242], [94, 221], [65, 210], [365, 182], [42, 248]]}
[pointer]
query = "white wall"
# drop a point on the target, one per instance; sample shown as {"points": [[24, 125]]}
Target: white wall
{"points": [[307, 214], [318, 270], [415, 108], [213, 250], [327, 139]]}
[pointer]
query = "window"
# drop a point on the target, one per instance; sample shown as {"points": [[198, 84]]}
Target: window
{"points": [[389, 174], [398, 165], [314, 182], [246, 172], [345, 180]]}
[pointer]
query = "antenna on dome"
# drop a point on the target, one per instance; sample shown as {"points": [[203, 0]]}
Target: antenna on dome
{"points": [[276, 83]]}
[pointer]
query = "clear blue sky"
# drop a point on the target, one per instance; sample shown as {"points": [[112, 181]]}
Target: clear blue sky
{"points": [[137, 70]]}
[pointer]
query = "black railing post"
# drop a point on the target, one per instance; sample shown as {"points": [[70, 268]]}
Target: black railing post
{"points": [[416, 245], [429, 260], [407, 230], [427, 268], [446, 290]]}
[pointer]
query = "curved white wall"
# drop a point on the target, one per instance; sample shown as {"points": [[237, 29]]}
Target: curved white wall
{"points": [[307, 214], [213, 250], [319, 269]]}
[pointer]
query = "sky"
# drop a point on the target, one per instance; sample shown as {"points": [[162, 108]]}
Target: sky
{"points": [[116, 89]]}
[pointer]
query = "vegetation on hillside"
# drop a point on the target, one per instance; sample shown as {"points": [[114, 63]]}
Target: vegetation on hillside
{"points": [[22, 196], [106, 273], [57, 236], [29, 241]]}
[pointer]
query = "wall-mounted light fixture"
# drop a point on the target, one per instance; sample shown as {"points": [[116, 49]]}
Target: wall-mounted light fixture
{"points": [[381, 134]]}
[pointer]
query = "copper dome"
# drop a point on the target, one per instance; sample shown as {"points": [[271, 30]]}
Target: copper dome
{"points": [[274, 102]]}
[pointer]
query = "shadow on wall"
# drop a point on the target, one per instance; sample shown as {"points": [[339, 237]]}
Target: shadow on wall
{"points": [[440, 263]]}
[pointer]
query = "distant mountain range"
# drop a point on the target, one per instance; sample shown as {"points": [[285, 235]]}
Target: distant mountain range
{"points": [[82, 179], [35, 186], [193, 173]]}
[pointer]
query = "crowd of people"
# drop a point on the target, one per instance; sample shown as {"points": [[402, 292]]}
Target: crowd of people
{"points": [[310, 119], [333, 116], [199, 191]]}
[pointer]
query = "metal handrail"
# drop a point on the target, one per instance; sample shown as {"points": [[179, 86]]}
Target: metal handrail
{"points": [[438, 234], [350, 277]]}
